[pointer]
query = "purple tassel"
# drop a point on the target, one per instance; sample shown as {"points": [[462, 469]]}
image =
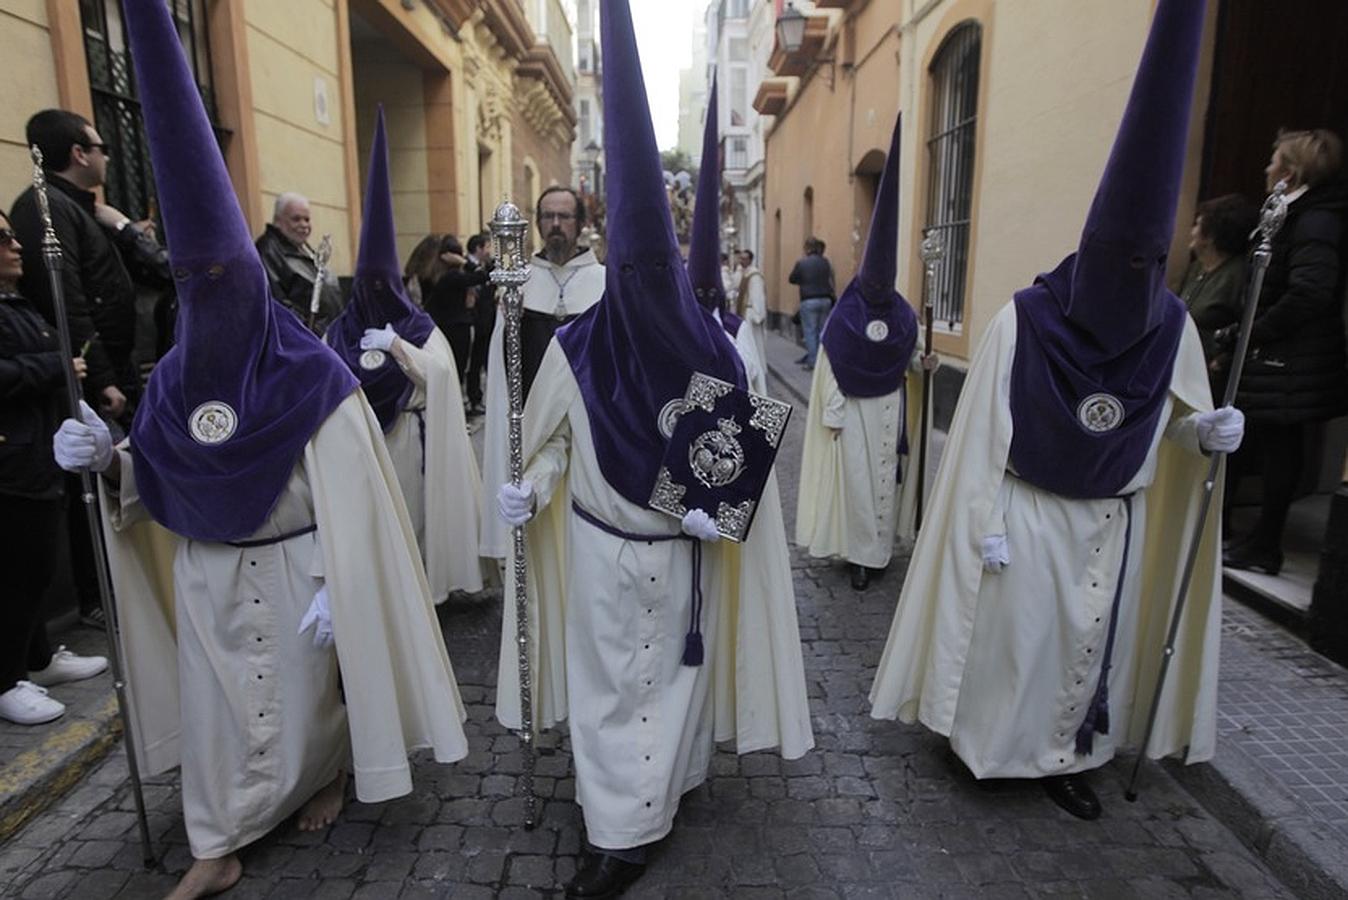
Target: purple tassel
{"points": [[692, 649]]}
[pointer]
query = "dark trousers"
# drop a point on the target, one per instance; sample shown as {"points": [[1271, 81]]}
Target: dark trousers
{"points": [[477, 362], [29, 534], [1276, 452], [460, 339], [83, 570]]}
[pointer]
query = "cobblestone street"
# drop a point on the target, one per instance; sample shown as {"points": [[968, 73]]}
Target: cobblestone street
{"points": [[877, 810]]}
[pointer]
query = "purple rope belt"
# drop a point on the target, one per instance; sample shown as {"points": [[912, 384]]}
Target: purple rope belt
{"points": [[1097, 715], [268, 541], [693, 651]]}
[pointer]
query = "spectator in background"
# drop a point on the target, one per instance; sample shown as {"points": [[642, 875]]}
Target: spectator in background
{"points": [[480, 259], [1294, 374], [751, 299], [292, 265], [450, 304], [1214, 284], [32, 388], [813, 274], [423, 268]]}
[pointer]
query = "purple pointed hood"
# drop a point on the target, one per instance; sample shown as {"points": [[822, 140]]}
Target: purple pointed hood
{"points": [[229, 409], [704, 258], [871, 333], [1096, 337], [378, 297], [636, 349]]}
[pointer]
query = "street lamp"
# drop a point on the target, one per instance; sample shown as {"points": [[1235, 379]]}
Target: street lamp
{"points": [[790, 28], [592, 151]]}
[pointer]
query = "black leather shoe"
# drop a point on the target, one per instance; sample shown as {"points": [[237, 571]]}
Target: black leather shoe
{"points": [[1073, 794], [603, 876], [861, 576], [1252, 556]]}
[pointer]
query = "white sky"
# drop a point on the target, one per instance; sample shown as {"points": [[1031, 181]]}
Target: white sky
{"points": [[665, 40]]}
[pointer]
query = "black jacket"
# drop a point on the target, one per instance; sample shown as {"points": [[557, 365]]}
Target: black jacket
{"points": [[99, 295], [32, 382], [291, 271], [484, 313], [814, 274], [1296, 370], [447, 301]]}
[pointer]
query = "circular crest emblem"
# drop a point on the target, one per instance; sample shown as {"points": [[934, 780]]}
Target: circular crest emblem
{"points": [[669, 416], [1099, 413], [373, 359], [877, 330], [716, 457], [213, 422]]}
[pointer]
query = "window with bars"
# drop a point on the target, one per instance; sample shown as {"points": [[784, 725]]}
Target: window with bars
{"points": [[112, 82], [950, 155]]}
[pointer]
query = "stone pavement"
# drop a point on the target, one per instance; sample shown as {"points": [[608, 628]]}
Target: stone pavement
{"points": [[877, 810]]}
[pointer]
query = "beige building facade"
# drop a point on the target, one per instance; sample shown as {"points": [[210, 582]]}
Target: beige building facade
{"points": [[1009, 111], [478, 101]]}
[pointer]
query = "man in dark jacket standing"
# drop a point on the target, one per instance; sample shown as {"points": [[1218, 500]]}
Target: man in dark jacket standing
{"points": [[813, 273], [292, 265], [484, 318]]}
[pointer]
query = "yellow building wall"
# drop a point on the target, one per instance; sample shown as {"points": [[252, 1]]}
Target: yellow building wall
{"points": [[291, 45], [25, 46]]}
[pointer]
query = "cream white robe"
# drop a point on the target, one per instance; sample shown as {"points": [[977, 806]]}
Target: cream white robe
{"points": [[431, 436], [608, 618], [583, 278], [1005, 664], [754, 368], [220, 682], [755, 306], [856, 491]]}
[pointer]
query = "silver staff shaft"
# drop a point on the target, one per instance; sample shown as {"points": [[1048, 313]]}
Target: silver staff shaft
{"points": [[932, 251], [1271, 219], [321, 257], [55, 263], [508, 230]]}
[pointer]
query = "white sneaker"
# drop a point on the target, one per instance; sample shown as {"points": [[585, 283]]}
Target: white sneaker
{"points": [[28, 704], [66, 666]]}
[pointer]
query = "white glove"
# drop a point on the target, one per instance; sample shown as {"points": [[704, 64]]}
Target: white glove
{"points": [[83, 445], [320, 617], [696, 523], [1221, 430], [378, 338], [515, 504], [996, 552]]}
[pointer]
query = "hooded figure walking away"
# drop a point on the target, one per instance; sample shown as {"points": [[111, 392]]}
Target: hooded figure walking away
{"points": [[407, 372], [651, 639], [1032, 621], [254, 521], [854, 486], [704, 266]]}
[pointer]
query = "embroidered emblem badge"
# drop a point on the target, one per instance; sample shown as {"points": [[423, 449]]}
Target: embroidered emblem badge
{"points": [[1100, 413], [716, 457], [373, 359], [213, 422], [669, 416], [877, 330]]}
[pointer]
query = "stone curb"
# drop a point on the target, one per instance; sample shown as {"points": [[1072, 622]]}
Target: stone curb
{"points": [[37, 778], [1269, 820]]}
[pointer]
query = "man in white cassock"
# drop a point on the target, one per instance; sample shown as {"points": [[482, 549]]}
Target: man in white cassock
{"points": [[857, 492], [650, 637], [1032, 621], [751, 300], [257, 541], [407, 372], [564, 281]]}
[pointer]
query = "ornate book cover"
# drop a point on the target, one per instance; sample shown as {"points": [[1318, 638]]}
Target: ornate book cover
{"points": [[722, 445]]}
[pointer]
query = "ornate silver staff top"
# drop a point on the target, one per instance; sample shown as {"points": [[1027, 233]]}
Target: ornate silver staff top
{"points": [[508, 230], [322, 256], [932, 250]]}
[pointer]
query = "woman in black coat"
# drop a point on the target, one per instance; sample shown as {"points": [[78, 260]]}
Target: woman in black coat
{"points": [[1296, 373], [451, 300], [32, 385]]}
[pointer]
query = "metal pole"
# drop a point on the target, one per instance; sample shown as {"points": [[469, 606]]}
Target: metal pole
{"points": [[508, 230], [321, 256], [52, 256], [1271, 219], [932, 252]]}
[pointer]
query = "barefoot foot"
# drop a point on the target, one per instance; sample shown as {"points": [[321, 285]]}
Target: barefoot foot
{"points": [[208, 877], [323, 807]]}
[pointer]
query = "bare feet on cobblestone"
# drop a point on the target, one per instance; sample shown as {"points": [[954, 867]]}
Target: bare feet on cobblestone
{"points": [[208, 877], [323, 807]]}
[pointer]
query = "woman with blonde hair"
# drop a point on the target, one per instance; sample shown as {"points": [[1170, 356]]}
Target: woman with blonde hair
{"points": [[424, 268]]}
